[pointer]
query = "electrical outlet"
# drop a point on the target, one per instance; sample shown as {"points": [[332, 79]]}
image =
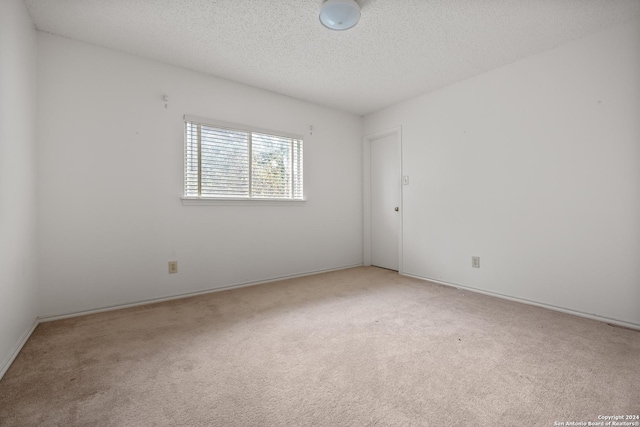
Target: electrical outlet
{"points": [[475, 261], [173, 267]]}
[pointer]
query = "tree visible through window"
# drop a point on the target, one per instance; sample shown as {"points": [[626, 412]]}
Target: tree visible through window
{"points": [[225, 162]]}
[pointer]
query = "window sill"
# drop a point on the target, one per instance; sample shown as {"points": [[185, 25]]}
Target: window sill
{"points": [[192, 201]]}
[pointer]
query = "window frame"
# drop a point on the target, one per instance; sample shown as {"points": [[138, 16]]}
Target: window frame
{"points": [[222, 200]]}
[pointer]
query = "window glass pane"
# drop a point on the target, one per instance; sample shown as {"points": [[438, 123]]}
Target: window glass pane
{"points": [[271, 166], [191, 160], [225, 162], [297, 169]]}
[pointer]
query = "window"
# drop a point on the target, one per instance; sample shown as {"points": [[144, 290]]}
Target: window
{"points": [[235, 162]]}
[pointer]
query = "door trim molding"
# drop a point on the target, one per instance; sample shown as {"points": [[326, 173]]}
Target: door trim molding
{"points": [[366, 202]]}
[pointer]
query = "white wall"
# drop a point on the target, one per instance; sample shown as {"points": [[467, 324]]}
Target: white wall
{"points": [[111, 177], [18, 297], [534, 167]]}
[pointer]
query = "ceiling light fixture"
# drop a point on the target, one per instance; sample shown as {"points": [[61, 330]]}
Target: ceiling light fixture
{"points": [[339, 15]]}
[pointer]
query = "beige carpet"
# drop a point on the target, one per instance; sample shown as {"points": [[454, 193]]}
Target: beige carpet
{"points": [[358, 347]]}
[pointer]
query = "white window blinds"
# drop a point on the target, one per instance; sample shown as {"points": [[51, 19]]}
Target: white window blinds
{"points": [[227, 161]]}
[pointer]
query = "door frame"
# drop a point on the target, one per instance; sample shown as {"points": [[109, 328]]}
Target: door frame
{"points": [[366, 150]]}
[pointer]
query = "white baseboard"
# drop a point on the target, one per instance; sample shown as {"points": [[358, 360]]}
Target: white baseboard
{"points": [[23, 340], [7, 363], [41, 319], [609, 320], [186, 295]]}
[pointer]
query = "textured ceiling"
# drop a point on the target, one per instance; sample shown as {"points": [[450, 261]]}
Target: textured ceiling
{"points": [[398, 50]]}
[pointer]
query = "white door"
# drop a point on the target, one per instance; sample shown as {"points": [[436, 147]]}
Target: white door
{"points": [[385, 201]]}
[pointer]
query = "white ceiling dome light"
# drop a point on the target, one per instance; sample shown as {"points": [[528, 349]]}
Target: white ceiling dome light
{"points": [[339, 15]]}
